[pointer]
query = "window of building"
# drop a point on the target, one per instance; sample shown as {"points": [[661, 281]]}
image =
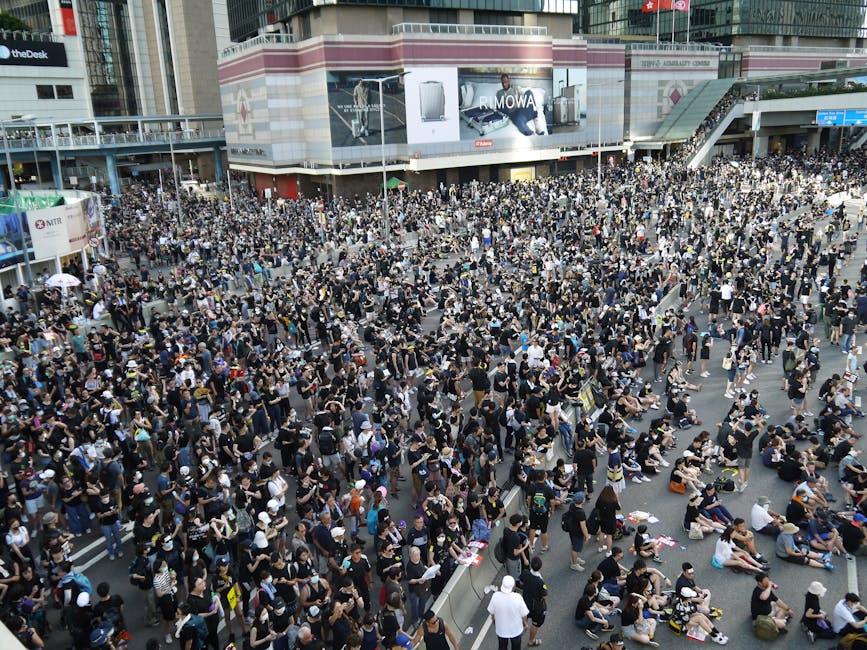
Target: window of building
{"points": [[638, 18], [63, 92], [44, 92], [443, 16], [511, 19]]}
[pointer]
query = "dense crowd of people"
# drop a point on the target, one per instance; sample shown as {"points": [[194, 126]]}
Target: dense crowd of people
{"points": [[302, 381]]}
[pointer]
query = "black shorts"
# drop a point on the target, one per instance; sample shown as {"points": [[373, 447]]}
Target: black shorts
{"points": [[797, 559], [539, 522], [537, 617]]}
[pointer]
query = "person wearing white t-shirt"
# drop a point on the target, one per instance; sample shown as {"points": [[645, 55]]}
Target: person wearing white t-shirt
{"points": [[763, 519], [509, 613], [844, 619]]}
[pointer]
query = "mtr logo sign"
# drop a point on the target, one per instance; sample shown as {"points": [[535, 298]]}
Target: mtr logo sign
{"points": [[32, 53], [42, 224]]}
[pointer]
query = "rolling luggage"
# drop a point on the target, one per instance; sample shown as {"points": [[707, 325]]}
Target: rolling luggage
{"points": [[433, 101]]}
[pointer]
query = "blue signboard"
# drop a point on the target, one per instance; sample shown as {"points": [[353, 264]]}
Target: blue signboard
{"points": [[830, 118], [848, 117], [855, 117]]}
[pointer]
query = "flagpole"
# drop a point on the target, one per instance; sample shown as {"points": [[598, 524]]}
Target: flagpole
{"points": [[657, 25], [672, 24], [688, 17]]}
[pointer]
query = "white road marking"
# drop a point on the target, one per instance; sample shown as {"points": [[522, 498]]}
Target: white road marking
{"points": [[485, 627]]}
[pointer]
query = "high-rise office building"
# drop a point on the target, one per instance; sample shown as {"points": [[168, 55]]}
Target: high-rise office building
{"points": [[305, 19], [140, 57], [838, 23]]}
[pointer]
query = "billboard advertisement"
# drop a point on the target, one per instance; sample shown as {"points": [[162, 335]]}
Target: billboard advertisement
{"points": [[59, 230], [432, 105], [445, 104], [355, 108], [10, 239], [32, 53]]}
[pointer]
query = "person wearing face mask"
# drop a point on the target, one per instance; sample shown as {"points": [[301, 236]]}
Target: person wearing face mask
{"points": [[281, 621], [764, 520], [261, 634], [441, 552], [316, 593], [172, 555], [106, 512], [195, 564], [165, 588]]}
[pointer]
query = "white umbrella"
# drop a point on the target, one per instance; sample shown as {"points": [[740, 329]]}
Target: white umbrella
{"points": [[62, 280]]}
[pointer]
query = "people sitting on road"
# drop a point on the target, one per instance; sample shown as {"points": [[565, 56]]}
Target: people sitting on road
{"points": [[685, 613], [788, 549]]}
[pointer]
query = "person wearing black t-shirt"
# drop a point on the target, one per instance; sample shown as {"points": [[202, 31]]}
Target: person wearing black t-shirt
{"points": [[764, 602], [613, 575], [540, 498], [514, 546], [535, 594], [202, 603]]}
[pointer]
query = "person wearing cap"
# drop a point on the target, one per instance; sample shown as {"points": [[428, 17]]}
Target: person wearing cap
{"points": [[815, 619], [509, 614], [687, 579], [787, 549], [685, 612], [614, 642], [576, 523], [854, 535], [764, 520], [108, 515]]}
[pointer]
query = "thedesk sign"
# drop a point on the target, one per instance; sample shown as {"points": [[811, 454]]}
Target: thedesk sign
{"points": [[32, 53]]}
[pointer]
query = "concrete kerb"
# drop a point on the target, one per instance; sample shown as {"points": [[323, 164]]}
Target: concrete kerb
{"points": [[465, 590]]}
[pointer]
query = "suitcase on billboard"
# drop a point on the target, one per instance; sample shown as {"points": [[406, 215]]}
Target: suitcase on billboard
{"points": [[433, 101], [357, 131], [561, 110]]}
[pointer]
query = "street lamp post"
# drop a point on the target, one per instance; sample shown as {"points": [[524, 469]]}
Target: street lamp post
{"points": [[379, 81], [175, 176], [599, 134], [11, 172]]}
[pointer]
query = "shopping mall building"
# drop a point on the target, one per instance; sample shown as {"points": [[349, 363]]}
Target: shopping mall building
{"points": [[306, 102]]}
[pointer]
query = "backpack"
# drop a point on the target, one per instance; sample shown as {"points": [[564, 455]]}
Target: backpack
{"points": [[104, 474], [566, 521], [539, 503], [327, 442], [201, 628], [500, 551], [593, 522], [373, 520], [141, 566], [243, 519], [723, 484], [765, 628]]}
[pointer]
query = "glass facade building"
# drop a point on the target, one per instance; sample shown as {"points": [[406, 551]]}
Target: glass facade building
{"points": [[730, 21]]}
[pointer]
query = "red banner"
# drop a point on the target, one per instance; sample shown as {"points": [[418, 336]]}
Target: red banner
{"points": [[67, 16]]}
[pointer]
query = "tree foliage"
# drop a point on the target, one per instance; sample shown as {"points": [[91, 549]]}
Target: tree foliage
{"points": [[12, 23]]}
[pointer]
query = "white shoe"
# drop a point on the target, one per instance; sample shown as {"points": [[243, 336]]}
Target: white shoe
{"points": [[746, 382], [722, 639], [645, 479], [576, 567], [705, 374], [637, 479], [654, 407], [602, 548], [729, 395], [168, 638], [664, 463], [581, 561]]}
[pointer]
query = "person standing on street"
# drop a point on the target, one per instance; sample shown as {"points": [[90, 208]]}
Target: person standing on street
{"points": [[436, 633], [535, 594], [509, 614], [745, 434]]}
